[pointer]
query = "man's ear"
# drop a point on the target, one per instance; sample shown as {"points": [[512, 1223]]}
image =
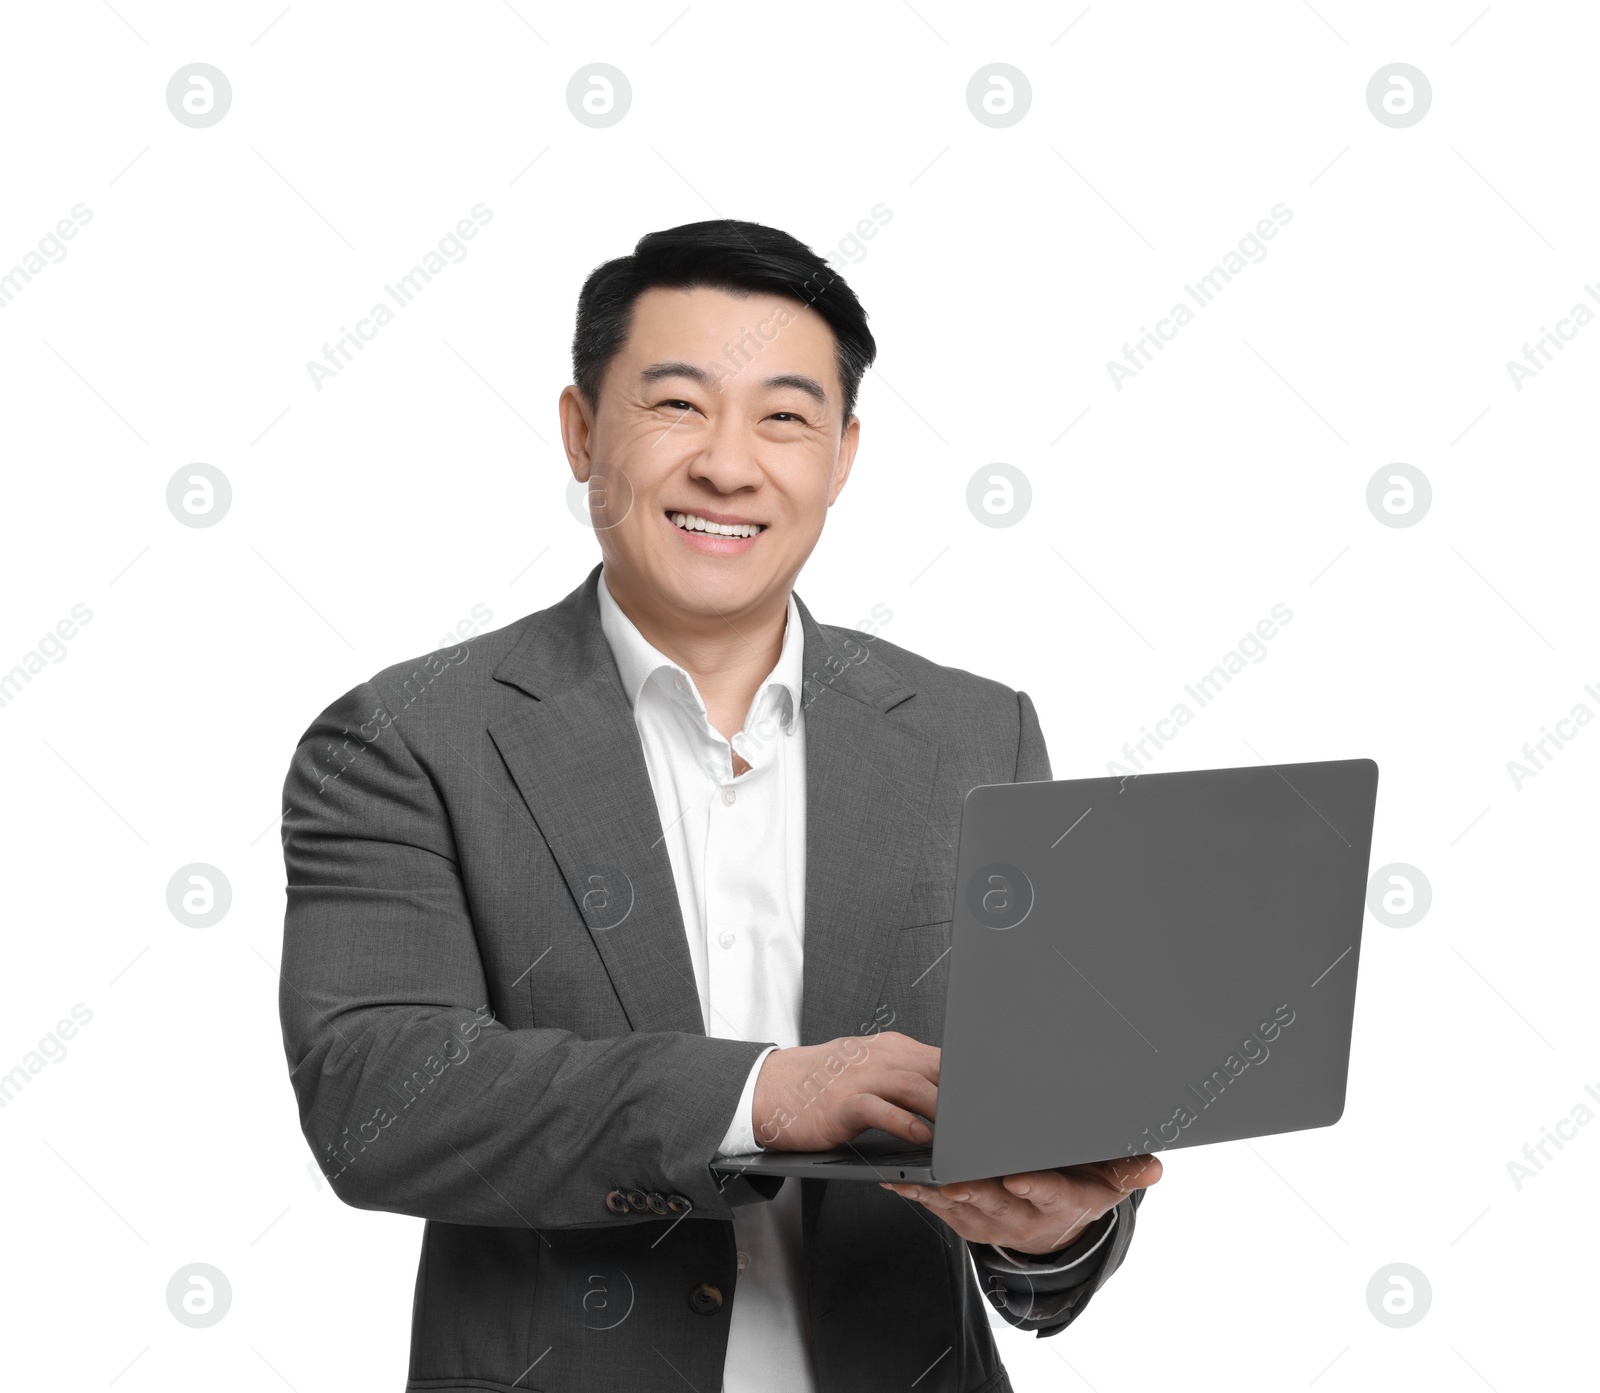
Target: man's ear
{"points": [[577, 429], [848, 442]]}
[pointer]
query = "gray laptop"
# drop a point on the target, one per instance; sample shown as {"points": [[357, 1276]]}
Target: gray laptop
{"points": [[1138, 964]]}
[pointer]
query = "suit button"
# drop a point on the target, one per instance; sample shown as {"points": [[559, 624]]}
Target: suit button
{"points": [[616, 1202], [657, 1203], [678, 1204], [705, 1299], [637, 1201]]}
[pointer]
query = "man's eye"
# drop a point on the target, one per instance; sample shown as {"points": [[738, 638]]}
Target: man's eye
{"points": [[791, 415], [677, 405]]}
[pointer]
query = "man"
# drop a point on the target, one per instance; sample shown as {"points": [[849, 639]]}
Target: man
{"points": [[663, 874]]}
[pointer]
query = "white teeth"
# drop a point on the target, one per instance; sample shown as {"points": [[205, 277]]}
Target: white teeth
{"points": [[690, 522]]}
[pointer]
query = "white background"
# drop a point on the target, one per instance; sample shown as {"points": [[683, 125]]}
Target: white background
{"points": [[371, 516]]}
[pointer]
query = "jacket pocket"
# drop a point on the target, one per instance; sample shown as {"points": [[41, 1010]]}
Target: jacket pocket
{"points": [[476, 1289], [930, 902]]}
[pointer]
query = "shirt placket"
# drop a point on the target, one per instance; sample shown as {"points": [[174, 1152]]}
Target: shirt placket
{"points": [[751, 946]]}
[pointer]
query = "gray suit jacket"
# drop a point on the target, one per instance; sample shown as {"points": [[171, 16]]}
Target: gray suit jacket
{"points": [[491, 1020]]}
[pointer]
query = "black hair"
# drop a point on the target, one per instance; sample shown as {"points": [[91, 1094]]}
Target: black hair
{"points": [[721, 254]]}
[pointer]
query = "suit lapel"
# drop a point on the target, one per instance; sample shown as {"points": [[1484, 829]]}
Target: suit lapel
{"points": [[869, 783], [575, 756]]}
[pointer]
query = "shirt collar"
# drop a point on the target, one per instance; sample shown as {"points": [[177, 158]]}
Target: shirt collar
{"points": [[638, 659]]}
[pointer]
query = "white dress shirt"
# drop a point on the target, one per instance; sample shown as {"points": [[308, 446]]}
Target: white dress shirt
{"points": [[737, 847]]}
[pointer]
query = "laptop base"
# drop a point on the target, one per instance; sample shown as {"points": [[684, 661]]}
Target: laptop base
{"points": [[887, 1158]]}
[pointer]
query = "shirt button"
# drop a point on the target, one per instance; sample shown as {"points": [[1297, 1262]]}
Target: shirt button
{"points": [[705, 1299], [727, 939], [678, 682], [728, 795], [743, 1260]]}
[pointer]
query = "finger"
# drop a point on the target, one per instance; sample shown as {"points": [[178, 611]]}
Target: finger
{"points": [[864, 1110], [907, 1089], [1067, 1200], [930, 1197], [1126, 1173], [1151, 1172], [988, 1197], [1040, 1187]]}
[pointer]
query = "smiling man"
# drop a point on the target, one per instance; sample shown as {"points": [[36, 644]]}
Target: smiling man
{"points": [[661, 875]]}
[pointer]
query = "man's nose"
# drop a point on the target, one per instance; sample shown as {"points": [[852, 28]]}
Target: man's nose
{"points": [[728, 459]]}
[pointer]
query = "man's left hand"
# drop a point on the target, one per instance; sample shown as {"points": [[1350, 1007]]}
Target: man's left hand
{"points": [[1037, 1211]]}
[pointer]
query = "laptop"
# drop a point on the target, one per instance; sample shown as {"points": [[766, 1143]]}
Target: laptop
{"points": [[1138, 964]]}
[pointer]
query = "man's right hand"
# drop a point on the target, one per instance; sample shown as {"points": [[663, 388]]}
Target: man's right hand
{"points": [[817, 1097]]}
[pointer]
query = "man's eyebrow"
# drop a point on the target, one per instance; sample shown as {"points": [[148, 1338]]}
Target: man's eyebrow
{"points": [[798, 380], [656, 371]]}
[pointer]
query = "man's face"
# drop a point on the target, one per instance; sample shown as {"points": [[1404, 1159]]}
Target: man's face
{"points": [[719, 409]]}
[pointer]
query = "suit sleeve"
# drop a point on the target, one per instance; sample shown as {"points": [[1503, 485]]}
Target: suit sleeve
{"points": [[1050, 1299], [413, 1097], [1049, 1303]]}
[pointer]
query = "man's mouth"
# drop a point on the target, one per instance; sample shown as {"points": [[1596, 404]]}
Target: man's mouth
{"points": [[693, 522]]}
